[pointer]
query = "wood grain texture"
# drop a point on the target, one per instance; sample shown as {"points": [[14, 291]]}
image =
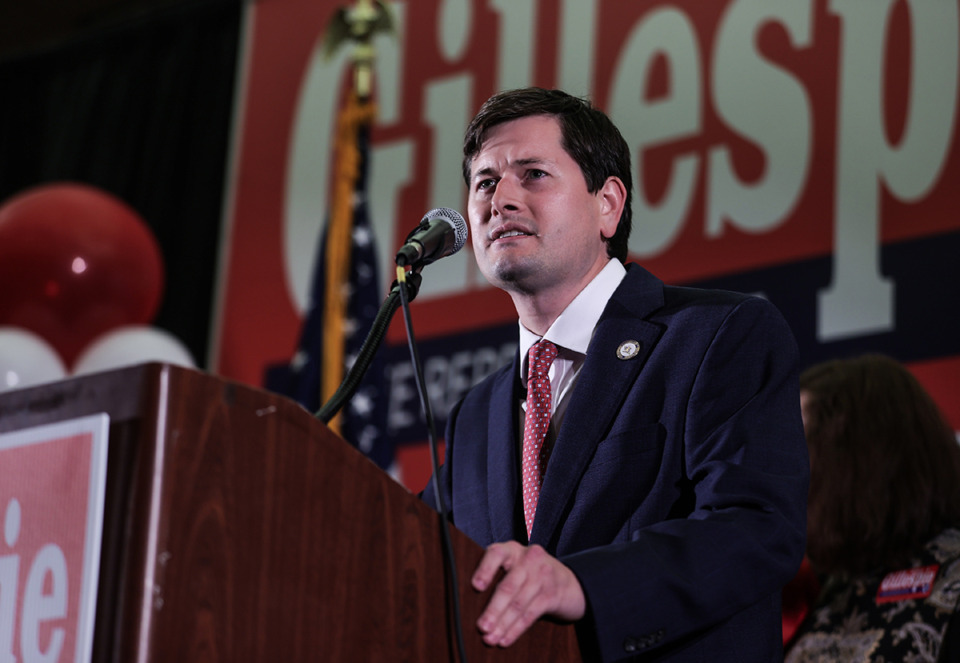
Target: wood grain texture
{"points": [[239, 528]]}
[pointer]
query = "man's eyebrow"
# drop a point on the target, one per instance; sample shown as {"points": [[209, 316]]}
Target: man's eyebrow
{"points": [[484, 172], [526, 161]]}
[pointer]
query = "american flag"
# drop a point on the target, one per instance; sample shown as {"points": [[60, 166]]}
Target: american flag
{"points": [[344, 300]]}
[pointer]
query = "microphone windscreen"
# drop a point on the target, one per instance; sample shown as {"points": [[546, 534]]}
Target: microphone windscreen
{"points": [[456, 221]]}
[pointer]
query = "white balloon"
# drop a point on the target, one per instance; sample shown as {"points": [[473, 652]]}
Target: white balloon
{"points": [[133, 344], [26, 359]]}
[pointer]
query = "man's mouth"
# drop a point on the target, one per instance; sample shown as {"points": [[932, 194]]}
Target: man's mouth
{"points": [[506, 233]]}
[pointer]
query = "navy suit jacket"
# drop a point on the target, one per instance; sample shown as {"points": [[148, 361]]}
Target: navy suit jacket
{"points": [[676, 490]]}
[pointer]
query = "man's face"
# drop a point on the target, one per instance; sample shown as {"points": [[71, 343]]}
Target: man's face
{"points": [[533, 224]]}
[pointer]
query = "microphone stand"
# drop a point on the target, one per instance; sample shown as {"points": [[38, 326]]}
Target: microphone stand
{"points": [[371, 344], [453, 587], [402, 292]]}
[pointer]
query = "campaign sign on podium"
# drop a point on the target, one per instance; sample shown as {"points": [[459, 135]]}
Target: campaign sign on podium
{"points": [[52, 484]]}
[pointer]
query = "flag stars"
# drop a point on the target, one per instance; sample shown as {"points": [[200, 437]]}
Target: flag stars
{"points": [[350, 359], [299, 360], [366, 439], [364, 272], [350, 326], [358, 199], [362, 403], [362, 236]]}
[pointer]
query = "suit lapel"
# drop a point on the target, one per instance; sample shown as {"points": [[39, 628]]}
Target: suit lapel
{"points": [[503, 476], [601, 388]]}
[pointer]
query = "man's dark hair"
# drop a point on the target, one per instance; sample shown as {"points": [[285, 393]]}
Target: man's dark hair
{"points": [[884, 465], [587, 135]]}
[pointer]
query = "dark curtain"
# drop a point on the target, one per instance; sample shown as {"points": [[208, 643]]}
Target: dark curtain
{"points": [[141, 110]]}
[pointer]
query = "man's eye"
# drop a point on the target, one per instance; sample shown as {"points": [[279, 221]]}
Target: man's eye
{"points": [[535, 174], [486, 184]]}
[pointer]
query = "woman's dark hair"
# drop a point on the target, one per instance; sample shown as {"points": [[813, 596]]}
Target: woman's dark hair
{"points": [[587, 135], [885, 465]]}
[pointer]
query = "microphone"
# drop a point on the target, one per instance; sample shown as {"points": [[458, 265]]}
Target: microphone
{"points": [[442, 232]]}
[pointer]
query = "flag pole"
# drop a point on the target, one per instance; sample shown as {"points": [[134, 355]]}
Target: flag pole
{"points": [[356, 25]]}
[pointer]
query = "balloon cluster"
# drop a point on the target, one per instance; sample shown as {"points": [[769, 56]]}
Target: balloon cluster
{"points": [[81, 278]]}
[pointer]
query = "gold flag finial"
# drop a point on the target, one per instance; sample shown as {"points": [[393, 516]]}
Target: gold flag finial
{"points": [[359, 24]]}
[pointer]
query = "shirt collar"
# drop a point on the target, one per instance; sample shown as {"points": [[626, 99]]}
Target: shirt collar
{"points": [[573, 328]]}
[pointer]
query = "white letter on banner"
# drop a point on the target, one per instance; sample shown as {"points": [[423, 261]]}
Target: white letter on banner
{"points": [[446, 112], [859, 300], [578, 38], [40, 606], [435, 374], [649, 123], [453, 26], [391, 169], [765, 104], [9, 574], [403, 408], [518, 20]]}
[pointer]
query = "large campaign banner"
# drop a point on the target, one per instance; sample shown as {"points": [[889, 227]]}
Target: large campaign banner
{"points": [[804, 150]]}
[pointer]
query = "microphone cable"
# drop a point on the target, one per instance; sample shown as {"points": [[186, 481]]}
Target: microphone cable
{"points": [[449, 558]]}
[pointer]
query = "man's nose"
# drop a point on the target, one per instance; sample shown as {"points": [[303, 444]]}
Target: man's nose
{"points": [[507, 197]]}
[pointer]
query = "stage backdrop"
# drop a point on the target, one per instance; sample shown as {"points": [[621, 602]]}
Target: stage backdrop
{"points": [[802, 149]]}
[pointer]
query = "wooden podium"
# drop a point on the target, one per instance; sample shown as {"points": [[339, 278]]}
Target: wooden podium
{"points": [[237, 528]]}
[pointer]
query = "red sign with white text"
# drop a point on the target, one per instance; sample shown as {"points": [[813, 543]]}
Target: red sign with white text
{"points": [[52, 481], [806, 150]]}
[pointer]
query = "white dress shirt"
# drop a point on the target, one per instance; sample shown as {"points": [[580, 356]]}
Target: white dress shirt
{"points": [[571, 333]]}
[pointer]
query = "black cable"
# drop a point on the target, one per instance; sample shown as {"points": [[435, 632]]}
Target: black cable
{"points": [[350, 384], [434, 459]]}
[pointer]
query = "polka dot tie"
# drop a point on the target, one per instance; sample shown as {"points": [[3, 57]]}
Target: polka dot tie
{"points": [[535, 424]]}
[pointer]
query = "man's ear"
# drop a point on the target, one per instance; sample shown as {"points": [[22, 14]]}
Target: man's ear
{"points": [[611, 197]]}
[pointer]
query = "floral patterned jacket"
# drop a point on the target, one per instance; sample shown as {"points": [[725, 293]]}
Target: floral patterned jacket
{"points": [[900, 616]]}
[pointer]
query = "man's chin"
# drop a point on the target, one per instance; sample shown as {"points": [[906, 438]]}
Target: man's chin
{"points": [[514, 276]]}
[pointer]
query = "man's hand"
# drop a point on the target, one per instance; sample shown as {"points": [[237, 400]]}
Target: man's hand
{"points": [[535, 584]]}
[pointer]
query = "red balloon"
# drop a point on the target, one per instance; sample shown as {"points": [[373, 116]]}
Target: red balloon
{"points": [[76, 262]]}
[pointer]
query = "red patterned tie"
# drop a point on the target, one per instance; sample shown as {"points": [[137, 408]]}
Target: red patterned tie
{"points": [[535, 424]]}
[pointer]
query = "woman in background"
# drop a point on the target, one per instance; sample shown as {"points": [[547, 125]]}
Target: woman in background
{"points": [[883, 519]]}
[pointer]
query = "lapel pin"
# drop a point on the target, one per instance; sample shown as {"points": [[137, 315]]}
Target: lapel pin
{"points": [[628, 350]]}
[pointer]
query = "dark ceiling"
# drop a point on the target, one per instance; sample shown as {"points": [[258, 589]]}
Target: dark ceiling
{"points": [[28, 26]]}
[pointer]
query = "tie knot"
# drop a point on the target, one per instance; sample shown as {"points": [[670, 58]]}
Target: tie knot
{"points": [[542, 353]]}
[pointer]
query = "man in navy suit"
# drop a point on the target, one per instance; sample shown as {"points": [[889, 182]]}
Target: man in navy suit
{"points": [[670, 505]]}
